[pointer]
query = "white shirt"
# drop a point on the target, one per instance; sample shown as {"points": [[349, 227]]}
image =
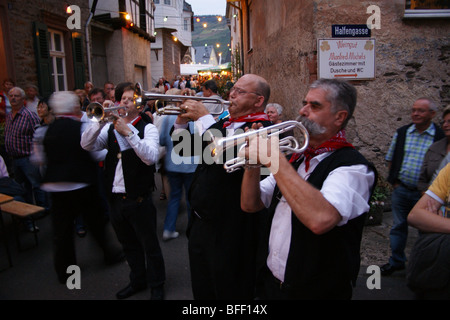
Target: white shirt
{"points": [[347, 188], [203, 123], [95, 138]]}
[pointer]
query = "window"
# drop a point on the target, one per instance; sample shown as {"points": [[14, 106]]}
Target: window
{"points": [[167, 2], [142, 14], [58, 58], [427, 9]]}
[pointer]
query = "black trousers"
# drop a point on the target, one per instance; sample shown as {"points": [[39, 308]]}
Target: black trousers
{"points": [[222, 262], [66, 206], [134, 222], [272, 289]]}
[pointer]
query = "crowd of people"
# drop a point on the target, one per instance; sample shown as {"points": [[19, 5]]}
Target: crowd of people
{"points": [[295, 234]]}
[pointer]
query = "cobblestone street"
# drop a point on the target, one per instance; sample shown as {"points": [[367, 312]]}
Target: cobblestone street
{"points": [[32, 276]]}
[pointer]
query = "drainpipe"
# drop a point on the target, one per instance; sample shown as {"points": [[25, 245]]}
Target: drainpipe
{"points": [[88, 47], [241, 27]]}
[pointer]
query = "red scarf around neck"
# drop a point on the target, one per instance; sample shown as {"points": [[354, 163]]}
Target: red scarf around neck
{"points": [[337, 142], [252, 117]]}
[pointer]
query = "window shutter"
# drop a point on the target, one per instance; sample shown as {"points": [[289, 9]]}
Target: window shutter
{"points": [[43, 60], [78, 64]]}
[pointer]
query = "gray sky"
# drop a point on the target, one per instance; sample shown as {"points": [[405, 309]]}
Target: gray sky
{"points": [[208, 7]]}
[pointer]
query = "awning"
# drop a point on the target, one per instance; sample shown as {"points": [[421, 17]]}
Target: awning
{"points": [[219, 68], [189, 69]]}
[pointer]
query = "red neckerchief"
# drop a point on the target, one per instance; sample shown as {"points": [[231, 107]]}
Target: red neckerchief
{"points": [[136, 121], [252, 117], [337, 142]]}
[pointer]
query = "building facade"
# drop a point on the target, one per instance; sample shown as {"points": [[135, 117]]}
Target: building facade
{"points": [[44, 44], [37, 46], [121, 34], [173, 27], [279, 41]]}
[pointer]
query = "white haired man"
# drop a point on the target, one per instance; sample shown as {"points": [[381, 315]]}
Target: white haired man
{"points": [[71, 180]]}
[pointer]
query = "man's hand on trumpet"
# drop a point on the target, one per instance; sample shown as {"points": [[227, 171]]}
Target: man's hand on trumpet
{"points": [[192, 111], [121, 125], [262, 150]]}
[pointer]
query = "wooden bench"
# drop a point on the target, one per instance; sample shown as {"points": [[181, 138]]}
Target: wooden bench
{"points": [[21, 210]]}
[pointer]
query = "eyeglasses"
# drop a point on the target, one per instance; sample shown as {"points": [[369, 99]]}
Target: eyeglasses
{"points": [[239, 91]]}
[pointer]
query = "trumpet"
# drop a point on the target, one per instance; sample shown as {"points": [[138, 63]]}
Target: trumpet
{"points": [[140, 97], [95, 111], [288, 145]]}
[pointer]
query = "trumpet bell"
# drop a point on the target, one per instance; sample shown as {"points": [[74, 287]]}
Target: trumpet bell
{"points": [[288, 144], [96, 112]]}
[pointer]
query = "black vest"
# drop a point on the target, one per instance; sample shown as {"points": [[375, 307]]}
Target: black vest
{"points": [[67, 161], [138, 177], [213, 190], [399, 151], [319, 266]]}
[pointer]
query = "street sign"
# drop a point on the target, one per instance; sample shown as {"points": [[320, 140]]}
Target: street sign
{"points": [[350, 31], [346, 58]]}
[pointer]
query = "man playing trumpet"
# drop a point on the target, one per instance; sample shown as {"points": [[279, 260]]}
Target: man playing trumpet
{"points": [[133, 148], [316, 201], [222, 238]]}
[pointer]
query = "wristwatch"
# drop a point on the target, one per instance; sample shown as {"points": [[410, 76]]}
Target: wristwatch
{"points": [[130, 134]]}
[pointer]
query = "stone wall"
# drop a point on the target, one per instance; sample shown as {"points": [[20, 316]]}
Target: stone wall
{"points": [[412, 60], [136, 54]]}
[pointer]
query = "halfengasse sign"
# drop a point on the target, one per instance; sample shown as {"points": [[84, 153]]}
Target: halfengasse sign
{"points": [[346, 58]]}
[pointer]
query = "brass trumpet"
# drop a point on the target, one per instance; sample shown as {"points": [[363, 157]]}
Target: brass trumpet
{"points": [[288, 145], [140, 97], [95, 111]]}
